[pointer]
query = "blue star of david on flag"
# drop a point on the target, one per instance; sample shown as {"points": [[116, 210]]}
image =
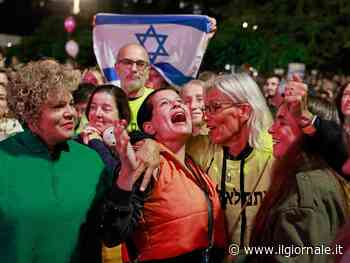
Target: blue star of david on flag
{"points": [[160, 39]]}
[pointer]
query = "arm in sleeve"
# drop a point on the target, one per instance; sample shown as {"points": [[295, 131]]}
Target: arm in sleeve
{"points": [[305, 228], [111, 162], [121, 210], [120, 213], [328, 142]]}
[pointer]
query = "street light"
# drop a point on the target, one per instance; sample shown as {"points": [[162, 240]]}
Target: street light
{"points": [[76, 7], [197, 9]]}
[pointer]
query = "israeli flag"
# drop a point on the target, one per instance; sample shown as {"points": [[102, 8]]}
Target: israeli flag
{"points": [[175, 43]]}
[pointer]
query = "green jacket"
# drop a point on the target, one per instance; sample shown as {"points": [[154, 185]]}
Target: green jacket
{"points": [[46, 201], [306, 221]]}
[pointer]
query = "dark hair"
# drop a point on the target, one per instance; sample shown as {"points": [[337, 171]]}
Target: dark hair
{"points": [[338, 101], [83, 92], [274, 76], [283, 175], [121, 100], [145, 112], [323, 108]]}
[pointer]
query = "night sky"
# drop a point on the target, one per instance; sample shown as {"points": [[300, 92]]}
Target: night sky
{"points": [[23, 16]]}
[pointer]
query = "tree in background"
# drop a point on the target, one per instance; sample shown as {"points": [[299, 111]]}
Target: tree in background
{"points": [[315, 32]]}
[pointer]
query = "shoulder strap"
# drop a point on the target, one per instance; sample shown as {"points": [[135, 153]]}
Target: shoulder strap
{"points": [[198, 173], [223, 199]]}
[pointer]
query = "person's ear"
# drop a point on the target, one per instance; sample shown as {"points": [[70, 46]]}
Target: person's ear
{"points": [[148, 128], [117, 67], [147, 71], [245, 111]]}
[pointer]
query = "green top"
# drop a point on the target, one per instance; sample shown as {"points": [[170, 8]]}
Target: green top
{"points": [[44, 199]]}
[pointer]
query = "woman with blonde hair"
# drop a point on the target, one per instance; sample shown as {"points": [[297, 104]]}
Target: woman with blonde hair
{"points": [[239, 155]]}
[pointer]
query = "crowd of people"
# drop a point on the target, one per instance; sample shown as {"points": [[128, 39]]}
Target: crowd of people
{"points": [[148, 172]]}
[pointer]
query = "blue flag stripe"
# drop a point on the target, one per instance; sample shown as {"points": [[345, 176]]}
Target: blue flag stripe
{"points": [[174, 75], [110, 74], [200, 23]]}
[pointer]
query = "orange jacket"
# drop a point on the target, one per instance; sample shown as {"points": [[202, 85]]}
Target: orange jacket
{"points": [[175, 216]]}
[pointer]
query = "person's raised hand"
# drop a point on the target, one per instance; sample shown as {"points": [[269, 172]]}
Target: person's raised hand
{"points": [[213, 27], [296, 97], [90, 133], [130, 170], [148, 155]]}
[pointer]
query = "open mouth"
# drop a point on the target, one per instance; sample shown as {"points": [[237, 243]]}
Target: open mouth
{"points": [[210, 127], [134, 77], [275, 141], [195, 113], [178, 117]]}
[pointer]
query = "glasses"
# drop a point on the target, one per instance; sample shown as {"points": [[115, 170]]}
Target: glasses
{"points": [[140, 64], [217, 107]]}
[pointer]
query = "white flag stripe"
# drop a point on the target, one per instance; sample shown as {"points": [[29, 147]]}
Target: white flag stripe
{"points": [[175, 49], [176, 44]]}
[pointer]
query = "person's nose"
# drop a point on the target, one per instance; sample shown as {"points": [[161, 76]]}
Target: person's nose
{"points": [[206, 116], [99, 112], [70, 112], [134, 67], [194, 105], [175, 103]]}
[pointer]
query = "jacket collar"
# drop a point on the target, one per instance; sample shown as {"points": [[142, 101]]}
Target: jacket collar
{"points": [[242, 155], [308, 162], [35, 144]]}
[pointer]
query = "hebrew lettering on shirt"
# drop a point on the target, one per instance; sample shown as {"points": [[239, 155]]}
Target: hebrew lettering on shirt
{"points": [[234, 197]]}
